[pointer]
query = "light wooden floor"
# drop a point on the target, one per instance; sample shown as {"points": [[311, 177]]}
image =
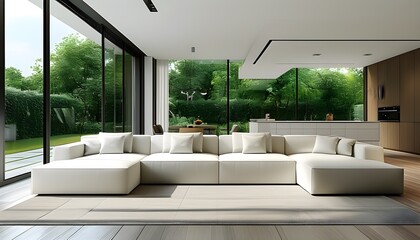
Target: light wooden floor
{"points": [[411, 163]]}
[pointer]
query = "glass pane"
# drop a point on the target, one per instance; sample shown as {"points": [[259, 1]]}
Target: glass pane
{"points": [[254, 98], [113, 88], [24, 84], [128, 94], [76, 77], [197, 91], [337, 93]]}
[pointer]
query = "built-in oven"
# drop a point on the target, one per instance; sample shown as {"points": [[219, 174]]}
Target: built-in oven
{"points": [[389, 114]]}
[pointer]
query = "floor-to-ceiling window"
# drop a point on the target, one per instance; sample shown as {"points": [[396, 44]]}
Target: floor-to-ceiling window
{"points": [[76, 77], [254, 98], [197, 91], [113, 87], [23, 86], [298, 94], [337, 92], [75, 100]]}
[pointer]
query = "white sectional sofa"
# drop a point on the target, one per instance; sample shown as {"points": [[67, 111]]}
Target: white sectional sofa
{"points": [[319, 164]]}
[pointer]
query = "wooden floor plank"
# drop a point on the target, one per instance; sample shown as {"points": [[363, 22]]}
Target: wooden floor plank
{"points": [[210, 232], [152, 232], [390, 232], [320, 233], [11, 232], [130, 232], [48, 232], [96, 232]]}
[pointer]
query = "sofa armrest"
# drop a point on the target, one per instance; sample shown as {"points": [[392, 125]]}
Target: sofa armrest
{"points": [[368, 151], [68, 151]]}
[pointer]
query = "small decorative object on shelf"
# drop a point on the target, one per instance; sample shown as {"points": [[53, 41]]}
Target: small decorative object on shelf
{"points": [[329, 117], [198, 121]]}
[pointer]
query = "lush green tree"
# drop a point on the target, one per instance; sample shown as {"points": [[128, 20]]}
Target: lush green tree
{"points": [[76, 70], [14, 78]]}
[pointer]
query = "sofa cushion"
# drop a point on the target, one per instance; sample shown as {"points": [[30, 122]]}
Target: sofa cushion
{"points": [[325, 144], [166, 168], [237, 145], [345, 146], [269, 168], [121, 156], [181, 157], [92, 146], [128, 139], [181, 143], [318, 156], [349, 176], [299, 143], [78, 176], [253, 144], [112, 144], [197, 141], [254, 157]]}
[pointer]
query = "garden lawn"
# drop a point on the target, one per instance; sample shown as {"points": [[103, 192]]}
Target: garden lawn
{"points": [[36, 143]]}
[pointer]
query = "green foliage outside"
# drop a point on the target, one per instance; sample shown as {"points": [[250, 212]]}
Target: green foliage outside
{"points": [[321, 91], [36, 143], [76, 83]]}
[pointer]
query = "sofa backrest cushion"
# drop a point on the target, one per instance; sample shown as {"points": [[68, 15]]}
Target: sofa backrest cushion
{"points": [[141, 144], [210, 144], [226, 144], [277, 143], [299, 143], [325, 144], [92, 144], [197, 141], [237, 140]]}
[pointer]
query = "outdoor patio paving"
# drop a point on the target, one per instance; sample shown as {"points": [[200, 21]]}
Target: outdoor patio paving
{"points": [[22, 162]]}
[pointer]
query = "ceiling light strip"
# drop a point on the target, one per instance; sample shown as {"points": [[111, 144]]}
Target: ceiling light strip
{"points": [[330, 40]]}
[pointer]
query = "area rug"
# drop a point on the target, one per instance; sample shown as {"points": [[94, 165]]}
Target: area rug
{"points": [[210, 204]]}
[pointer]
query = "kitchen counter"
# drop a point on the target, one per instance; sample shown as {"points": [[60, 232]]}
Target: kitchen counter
{"points": [[360, 130]]}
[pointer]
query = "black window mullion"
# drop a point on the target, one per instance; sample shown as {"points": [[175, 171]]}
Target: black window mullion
{"points": [[46, 86]]}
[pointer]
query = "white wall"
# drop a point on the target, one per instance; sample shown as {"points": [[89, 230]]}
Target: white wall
{"points": [[148, 95]]}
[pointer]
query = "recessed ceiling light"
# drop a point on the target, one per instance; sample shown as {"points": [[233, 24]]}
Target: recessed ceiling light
{"points": [[316, 54], [367, 54], [193, 49]]}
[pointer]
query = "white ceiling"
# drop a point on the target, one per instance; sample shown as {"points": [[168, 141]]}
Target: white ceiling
{"points": [[240, 29]]}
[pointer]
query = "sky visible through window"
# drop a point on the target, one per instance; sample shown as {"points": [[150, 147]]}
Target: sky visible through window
{"points": [[24, 34]]}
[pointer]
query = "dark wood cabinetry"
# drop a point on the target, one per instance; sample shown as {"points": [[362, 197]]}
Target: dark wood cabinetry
{"points": [[372, 93], [417, 86], [389, 81], [400, 78], [407, 75]]}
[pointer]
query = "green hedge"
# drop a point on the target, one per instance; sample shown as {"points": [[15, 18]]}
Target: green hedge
{"points": [[25, 109], [241, 110]]}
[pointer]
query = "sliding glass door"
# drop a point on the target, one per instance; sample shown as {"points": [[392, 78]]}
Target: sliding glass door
{"points": [[23, 97], [75, 77]]}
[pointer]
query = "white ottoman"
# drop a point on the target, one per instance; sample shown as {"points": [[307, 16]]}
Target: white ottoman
{"points": [[82, 176]]}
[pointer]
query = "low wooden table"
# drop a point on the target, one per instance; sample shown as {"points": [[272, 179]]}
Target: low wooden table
{"points": [[207, 129]]}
